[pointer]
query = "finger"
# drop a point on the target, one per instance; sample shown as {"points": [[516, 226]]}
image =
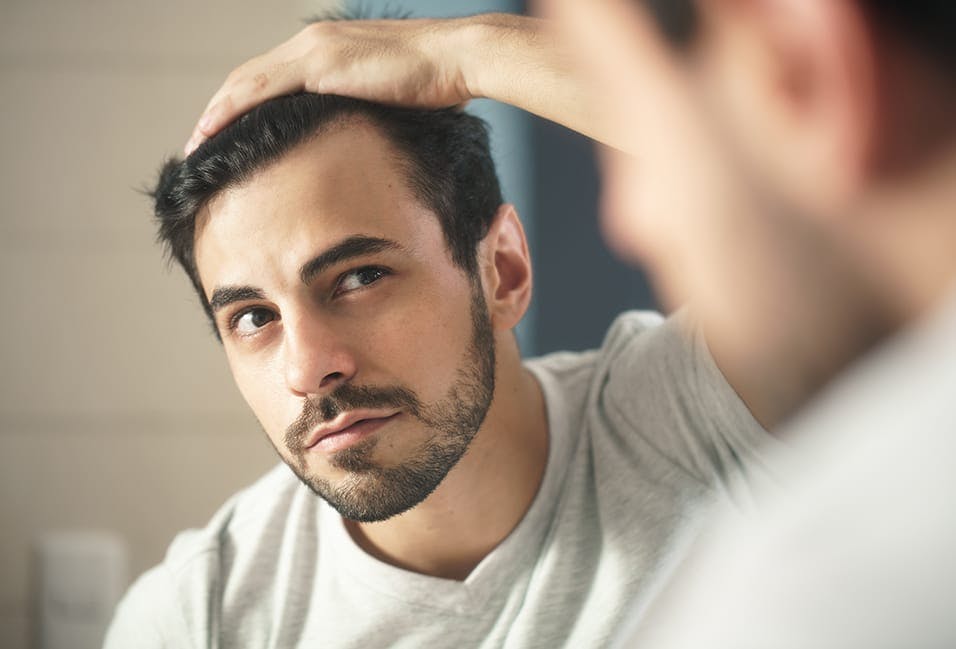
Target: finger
{"points": [[229, 84], [198, 136], [241, 95], [195, 139], [248, 92]]}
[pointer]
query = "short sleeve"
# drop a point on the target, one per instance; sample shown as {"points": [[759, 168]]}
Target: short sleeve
{"points": [[661, 384], [148, 616]]}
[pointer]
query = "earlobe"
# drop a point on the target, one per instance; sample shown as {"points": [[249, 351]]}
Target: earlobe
{"points": [[834, 87], [506, 269], [808, 112], [848, 92]]}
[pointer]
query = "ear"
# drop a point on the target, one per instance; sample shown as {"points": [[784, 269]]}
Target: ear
{"points": [[506, 269], [796, 82]]}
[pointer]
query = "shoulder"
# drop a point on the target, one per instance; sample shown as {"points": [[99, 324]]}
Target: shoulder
{"points": [[184, 594], [640, 346], [630, 326], [653, 390], [578, 386], [249, 514], [665, 364], [576, 368], [148, 615]]}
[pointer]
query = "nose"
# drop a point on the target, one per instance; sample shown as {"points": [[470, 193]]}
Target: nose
{"points": [[317, 358]]}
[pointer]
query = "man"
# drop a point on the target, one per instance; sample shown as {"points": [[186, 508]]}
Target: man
{"points": [[833, 119], [364, 275], [816, 137]]}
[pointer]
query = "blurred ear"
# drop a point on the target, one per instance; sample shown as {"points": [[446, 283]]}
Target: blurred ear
{"points": [[795, 83], [506, 269]]}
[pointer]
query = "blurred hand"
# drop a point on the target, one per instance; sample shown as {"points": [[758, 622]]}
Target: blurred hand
{"points": [[413, 63]]}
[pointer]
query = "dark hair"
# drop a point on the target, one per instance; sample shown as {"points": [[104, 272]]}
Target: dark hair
{"points": [[445, 155], [929, 24]]}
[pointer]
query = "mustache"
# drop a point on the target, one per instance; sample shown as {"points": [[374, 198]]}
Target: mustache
{"points": [[343, 399]]}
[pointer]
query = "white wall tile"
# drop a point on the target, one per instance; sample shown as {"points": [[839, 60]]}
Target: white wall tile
{"points": [[146, 479], [105, 331], [14, 627], [211, 29]]}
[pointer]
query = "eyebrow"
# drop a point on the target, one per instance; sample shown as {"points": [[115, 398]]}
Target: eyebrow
{"points": [[355, 246], [350, 248], [226, 295]]}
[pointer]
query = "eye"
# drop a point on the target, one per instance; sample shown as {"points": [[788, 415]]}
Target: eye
{"points": [[359, 278], [251, 320]]}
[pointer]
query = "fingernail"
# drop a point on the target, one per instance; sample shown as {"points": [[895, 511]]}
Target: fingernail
{"points": [[192, 144]]}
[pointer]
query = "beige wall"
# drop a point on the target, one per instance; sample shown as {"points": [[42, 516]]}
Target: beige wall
{"points": [[116, 408]]}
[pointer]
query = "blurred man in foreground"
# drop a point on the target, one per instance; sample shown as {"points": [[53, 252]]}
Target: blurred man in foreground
{"points": [[794, 174], [826, 128]]}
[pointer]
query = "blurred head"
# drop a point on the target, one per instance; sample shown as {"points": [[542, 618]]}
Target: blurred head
{"points": [[790, 161], [357, 264]]}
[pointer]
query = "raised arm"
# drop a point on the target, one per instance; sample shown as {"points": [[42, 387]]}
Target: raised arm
{"points": [[428, 63], [530, 63]]}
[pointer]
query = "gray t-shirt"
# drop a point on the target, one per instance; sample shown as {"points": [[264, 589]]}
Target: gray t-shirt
{"points": [[642, 433]]}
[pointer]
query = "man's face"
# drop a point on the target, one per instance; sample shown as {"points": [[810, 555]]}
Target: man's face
{"points": [[365, 353]]}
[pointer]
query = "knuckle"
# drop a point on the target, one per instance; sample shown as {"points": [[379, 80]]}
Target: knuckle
{"points": [[260, 81], [313, 33], [224, 106], [233, 77]]}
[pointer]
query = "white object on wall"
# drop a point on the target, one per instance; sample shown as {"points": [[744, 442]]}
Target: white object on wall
{"points": [[80, 577]]}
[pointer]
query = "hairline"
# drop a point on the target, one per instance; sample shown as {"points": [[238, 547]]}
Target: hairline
{"points": [[336, 124], [402, 161]]}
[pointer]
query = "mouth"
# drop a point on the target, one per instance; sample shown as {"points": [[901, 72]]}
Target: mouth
{"points": [[346, 430]]}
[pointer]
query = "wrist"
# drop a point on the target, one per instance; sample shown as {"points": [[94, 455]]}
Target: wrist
{"points": [[476, 46], [464, 49]]}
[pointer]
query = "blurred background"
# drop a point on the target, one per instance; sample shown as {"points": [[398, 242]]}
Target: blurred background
{"points": [[119, 422]]}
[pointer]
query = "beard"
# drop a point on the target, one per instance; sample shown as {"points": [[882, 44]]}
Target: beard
{"points": [[372, 492]]}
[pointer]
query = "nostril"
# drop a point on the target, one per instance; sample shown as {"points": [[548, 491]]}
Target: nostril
{"points": [[331, 378]]}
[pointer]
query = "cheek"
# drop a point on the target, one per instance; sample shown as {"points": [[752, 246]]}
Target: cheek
{"points": [[642, 226], [647, 224], [262, 385], [624, 222], [420, 345]]}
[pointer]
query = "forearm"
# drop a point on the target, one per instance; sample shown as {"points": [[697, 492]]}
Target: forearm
{"points": [[423, 63], [521, 61]]}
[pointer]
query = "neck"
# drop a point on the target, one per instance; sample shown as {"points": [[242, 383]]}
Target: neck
{"points": [[485, 496]]}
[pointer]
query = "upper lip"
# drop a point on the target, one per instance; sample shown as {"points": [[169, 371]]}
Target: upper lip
{"points": [[343, 421]]}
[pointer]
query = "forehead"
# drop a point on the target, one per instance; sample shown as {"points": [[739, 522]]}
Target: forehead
{"points": [[344, 182]]}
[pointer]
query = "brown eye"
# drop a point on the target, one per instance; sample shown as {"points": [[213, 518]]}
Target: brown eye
{"points": [[251, 320], [359, 278]]}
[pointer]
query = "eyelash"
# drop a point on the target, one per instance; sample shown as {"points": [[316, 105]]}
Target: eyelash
{"points": [[381, 272], [233, 322]]}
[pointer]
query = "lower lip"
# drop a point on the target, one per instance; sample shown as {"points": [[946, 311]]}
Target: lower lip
{"points": [[352, 435]]}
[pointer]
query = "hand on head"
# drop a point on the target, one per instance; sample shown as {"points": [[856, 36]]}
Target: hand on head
{"points": [[401, 62]]}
